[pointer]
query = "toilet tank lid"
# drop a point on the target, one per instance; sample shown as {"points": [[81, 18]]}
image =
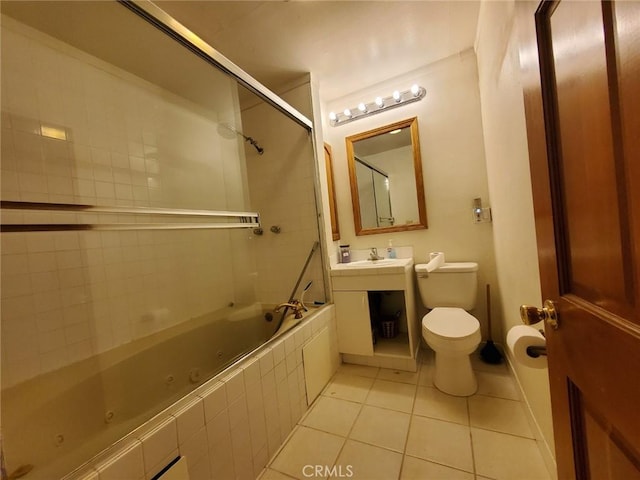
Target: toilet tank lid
{"points": [[455, 267]]}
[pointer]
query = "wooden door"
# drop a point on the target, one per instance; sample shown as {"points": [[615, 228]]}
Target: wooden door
{"points": [[581, 65]]}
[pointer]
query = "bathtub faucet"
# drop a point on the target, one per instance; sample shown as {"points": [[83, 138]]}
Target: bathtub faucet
{"points": [[295, 305]]}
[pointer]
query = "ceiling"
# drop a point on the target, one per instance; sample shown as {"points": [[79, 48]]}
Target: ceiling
{"points": [[346, 44]]}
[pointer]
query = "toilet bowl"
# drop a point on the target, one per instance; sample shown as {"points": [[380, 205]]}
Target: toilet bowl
{"points": [[453, 334]]}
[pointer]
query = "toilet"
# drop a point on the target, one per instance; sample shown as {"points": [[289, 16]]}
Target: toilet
{"points": [[452, 333]]}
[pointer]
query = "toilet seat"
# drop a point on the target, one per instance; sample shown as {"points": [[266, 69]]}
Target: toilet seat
{"points": [[450, 323]]}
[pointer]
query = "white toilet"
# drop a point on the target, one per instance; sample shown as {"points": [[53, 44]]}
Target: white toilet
{"points": [[448, 329]]}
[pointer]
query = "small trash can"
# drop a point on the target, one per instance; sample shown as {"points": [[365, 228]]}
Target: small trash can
{"points": [[389, 329]]}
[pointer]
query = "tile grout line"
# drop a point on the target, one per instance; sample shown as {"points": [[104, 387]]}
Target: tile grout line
{"points": [[473, 453]]}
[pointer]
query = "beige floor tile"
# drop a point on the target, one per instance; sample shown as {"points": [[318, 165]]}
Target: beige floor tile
{"points": [[382, 427], [498, 414], [441, 442], [425, 377], [417, 469], [368, 462], [348, 387], [307, 447], [431, 402], [361, 370], [506, 457], [398, 376], [480, 366], [332, 415], [427, 356], [392, 395], [269, 474], [496, 384]]}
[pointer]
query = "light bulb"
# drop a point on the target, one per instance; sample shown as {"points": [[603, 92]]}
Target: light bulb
{"points": [[396, 96], [347, 112], [379, 102], [415, 90], [362, 107], [332, 116]]}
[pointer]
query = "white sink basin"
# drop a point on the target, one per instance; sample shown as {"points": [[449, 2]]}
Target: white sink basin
{"points": [[383, 266], [372, 263]]}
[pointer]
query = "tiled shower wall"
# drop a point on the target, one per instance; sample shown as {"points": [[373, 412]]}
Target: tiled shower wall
{"points": [[281, 182], [231, 426], [78, 130]]}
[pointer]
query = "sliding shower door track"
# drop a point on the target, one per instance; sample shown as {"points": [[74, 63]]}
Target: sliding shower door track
{"points": [[145, 218]]}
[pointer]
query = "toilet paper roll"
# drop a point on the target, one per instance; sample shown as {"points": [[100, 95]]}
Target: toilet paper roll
{"points": [[436, 260], [519, 338]]}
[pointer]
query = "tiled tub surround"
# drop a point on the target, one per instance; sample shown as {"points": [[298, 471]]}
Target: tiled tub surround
{"points": [[232, 425], [106, 396], [78, 130], [385, 424]]}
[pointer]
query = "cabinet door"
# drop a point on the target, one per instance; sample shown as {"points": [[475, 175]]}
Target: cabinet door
{"points": [[354, 324]]}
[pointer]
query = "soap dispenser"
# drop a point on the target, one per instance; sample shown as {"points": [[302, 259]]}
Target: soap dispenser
{"points": [[391, 251]]}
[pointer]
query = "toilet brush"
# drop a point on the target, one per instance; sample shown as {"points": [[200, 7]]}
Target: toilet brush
{"points": [[490, 353]]}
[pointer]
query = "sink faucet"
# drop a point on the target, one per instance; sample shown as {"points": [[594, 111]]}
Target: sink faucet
{"points": [[295, 305], [373, 255]]}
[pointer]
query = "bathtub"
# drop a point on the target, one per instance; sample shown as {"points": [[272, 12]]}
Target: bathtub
{"points": [[59, 420]]}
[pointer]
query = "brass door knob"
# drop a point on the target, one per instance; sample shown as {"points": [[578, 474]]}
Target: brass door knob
{"points": [[530, 315]]}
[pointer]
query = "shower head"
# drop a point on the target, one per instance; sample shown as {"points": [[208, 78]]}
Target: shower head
{"points": [[227, 131], [255, 144]]}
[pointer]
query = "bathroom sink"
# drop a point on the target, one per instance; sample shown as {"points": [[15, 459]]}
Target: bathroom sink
{"points": [[373, 263], [372, 267]]}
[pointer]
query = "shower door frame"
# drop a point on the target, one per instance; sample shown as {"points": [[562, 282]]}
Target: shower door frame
{"points": [[165, 22]]}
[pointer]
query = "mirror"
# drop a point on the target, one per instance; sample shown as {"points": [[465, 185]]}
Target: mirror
{"points": [[385, 172]]}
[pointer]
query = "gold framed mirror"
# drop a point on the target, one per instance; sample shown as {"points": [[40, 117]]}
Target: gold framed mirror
{"points": [[385, 173], [333, 212]]}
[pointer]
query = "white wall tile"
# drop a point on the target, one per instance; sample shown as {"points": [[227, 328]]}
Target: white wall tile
{"points": [[189, 420], [251, 372], [266, 361], [220, 448], [242, 456], [278, 352], [161, 465], [235, 385], [238, 414], [127, 463], [269, 384], [201, 470], [159, 443], [196, 447]]}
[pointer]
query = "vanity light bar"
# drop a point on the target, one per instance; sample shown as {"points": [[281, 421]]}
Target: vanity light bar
{"points": [[380, 104]]}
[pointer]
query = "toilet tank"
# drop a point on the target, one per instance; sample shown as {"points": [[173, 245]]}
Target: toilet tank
{"points": [[451, 285]]}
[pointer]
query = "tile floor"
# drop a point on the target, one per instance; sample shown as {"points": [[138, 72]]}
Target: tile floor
{"points": [[372, 423]]}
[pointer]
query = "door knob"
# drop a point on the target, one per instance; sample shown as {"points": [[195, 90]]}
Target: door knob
{"points": [[530, 315]]}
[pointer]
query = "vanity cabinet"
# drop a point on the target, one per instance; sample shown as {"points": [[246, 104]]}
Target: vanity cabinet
{"points": [[354, 331], [366, 292]]}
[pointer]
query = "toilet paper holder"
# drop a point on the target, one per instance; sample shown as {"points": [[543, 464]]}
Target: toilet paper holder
{"points": [[534, 351]]}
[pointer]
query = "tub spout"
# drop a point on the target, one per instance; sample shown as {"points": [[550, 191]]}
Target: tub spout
{"points": [[295, 305]]}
